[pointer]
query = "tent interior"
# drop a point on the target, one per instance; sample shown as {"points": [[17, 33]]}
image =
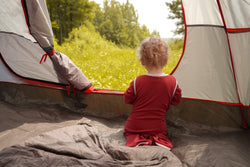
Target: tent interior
{"points": [[41, 124], [87, 130]]}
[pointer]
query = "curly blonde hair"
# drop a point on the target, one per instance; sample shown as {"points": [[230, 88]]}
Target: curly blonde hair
{"points": [[153, 52]]}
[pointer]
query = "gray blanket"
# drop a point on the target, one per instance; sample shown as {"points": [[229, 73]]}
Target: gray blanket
{"points": [[80, 145]]}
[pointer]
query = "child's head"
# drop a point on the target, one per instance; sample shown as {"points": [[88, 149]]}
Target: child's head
{"points": [[154, 52]]}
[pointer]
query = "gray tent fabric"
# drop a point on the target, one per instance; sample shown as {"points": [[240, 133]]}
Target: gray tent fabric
{"points": [[22, 57], [240, 48], [208, 75]]}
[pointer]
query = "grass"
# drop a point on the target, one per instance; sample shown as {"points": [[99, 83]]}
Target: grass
{"points": [[106, 65]]}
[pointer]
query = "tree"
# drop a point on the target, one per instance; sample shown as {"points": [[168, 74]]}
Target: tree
{"points": [[112, 25], [68, 14], [176, 13], [155, 33], [131, 22], [143, 32], [119, 23]]}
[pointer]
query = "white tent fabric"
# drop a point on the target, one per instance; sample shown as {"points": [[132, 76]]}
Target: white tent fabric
{"points": [[215, 62], [198, 12], [236, 13], [13, 19]]}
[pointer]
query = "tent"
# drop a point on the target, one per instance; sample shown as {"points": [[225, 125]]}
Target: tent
{"points": [[47, 119]]}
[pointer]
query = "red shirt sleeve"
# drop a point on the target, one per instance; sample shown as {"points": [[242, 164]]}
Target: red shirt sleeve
{"points": [[129, 95], [177, 96]]}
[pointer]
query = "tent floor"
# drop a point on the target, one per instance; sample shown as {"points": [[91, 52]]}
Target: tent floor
{"points": [[194, 145]]}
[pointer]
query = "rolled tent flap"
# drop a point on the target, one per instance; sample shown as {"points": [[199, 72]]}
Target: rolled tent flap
{"points": [[35, 27], [39, 23], [66, 68]]}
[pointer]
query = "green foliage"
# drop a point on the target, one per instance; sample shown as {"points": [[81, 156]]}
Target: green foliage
{"points": [[68, 14], [175, 52], [176, 13], [99, 40], [114, 21], [175, 43], [104, 63], [119, 23]]}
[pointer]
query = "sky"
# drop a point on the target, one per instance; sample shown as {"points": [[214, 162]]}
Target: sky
{"points": [[152, 13]]}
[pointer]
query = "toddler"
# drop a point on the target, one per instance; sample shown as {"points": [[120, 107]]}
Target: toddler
{"points": [[151, 95]]}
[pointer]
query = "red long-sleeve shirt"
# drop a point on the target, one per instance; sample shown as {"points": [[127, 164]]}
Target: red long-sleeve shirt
{"points": [[151, 97]]}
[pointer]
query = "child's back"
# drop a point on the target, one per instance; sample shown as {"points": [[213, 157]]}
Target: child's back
{"points": [[151, 95]]}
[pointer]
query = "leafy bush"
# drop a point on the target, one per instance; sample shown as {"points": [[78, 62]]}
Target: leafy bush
{"points": [[105, 64]]}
